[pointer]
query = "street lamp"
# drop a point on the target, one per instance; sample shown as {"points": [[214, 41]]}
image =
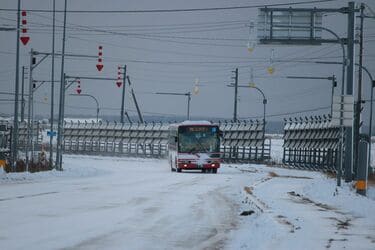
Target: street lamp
{"points": [[264, 109], [344, 64], [67, 84], [97, 103], [329, 78], [188, 94], [371, 99]]}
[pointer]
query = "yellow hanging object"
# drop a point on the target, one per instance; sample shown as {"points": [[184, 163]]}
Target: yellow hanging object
{"points": [[196, 90], [251, 84], [271, 70], [250, 47], [196, 87]]}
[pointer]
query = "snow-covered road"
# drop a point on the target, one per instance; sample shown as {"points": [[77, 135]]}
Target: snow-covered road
{"points": [[122, 203]]}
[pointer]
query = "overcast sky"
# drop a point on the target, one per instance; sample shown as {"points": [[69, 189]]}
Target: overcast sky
{"points": [[167, 52]]}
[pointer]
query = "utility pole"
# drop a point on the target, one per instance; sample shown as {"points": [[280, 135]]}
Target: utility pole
{"points": [[33, 65], [189, 99], [349, 91], [22, 95], [334, 84], [358, 106], [135, 101], [14, 151], [123, 95], [29, 108], [52, 85], [62, 97], [235, 94]]}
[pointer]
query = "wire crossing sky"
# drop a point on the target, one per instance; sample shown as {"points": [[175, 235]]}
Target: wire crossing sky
{"points": [[179, 10], [177, 46]]}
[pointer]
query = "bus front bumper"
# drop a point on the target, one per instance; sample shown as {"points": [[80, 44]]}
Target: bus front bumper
{"points": [[198, 166]]}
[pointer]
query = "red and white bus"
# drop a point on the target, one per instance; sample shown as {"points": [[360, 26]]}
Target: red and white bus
{"points": [[194, 145]]}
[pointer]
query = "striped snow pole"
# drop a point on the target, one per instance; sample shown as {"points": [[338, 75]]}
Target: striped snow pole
{"points": [[79, 90], [99, 66], [119, 79], [24, 37]]}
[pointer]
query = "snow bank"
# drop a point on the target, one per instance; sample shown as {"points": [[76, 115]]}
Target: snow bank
{"points": [[73, 168], [325, 191]]}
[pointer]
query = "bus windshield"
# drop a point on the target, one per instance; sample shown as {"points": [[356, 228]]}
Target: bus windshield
{"points": [[198, 139]]}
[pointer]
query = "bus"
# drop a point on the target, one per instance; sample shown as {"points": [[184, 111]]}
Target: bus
{"points": [[194, 145]]}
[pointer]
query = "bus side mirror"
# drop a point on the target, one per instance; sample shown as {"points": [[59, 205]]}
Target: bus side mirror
{"points": [[175, 139]]}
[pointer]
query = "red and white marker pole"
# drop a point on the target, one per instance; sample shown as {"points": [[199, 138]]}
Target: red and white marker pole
{"points": [[24, 37], [79, 90], [99, 66], [119, 82]]}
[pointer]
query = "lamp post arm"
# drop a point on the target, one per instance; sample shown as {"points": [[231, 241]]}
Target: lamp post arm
{"points": [[264, 97], [339, 40], [96, 100]]}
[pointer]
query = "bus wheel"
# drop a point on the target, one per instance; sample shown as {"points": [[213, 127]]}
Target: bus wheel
{"points": [[179, 170], [203, 170], [214, 170]]}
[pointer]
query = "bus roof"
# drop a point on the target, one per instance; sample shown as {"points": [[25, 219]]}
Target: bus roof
{"points": [[192, 123], [195, 123]]}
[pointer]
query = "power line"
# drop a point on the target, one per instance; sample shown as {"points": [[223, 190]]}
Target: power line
{"points": [[168, 114], [172, 10], [289, 113]]}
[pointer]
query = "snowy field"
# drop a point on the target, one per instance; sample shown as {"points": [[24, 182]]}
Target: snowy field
{"points": [[124, 203]]}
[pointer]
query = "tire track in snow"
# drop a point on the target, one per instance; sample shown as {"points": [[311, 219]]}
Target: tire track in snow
{"points": [[343, 222], [27, 196]]}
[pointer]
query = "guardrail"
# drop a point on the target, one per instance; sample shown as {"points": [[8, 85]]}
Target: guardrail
{"points": [[242, 141], [311, 143], [37, 129], [143, 139]]}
